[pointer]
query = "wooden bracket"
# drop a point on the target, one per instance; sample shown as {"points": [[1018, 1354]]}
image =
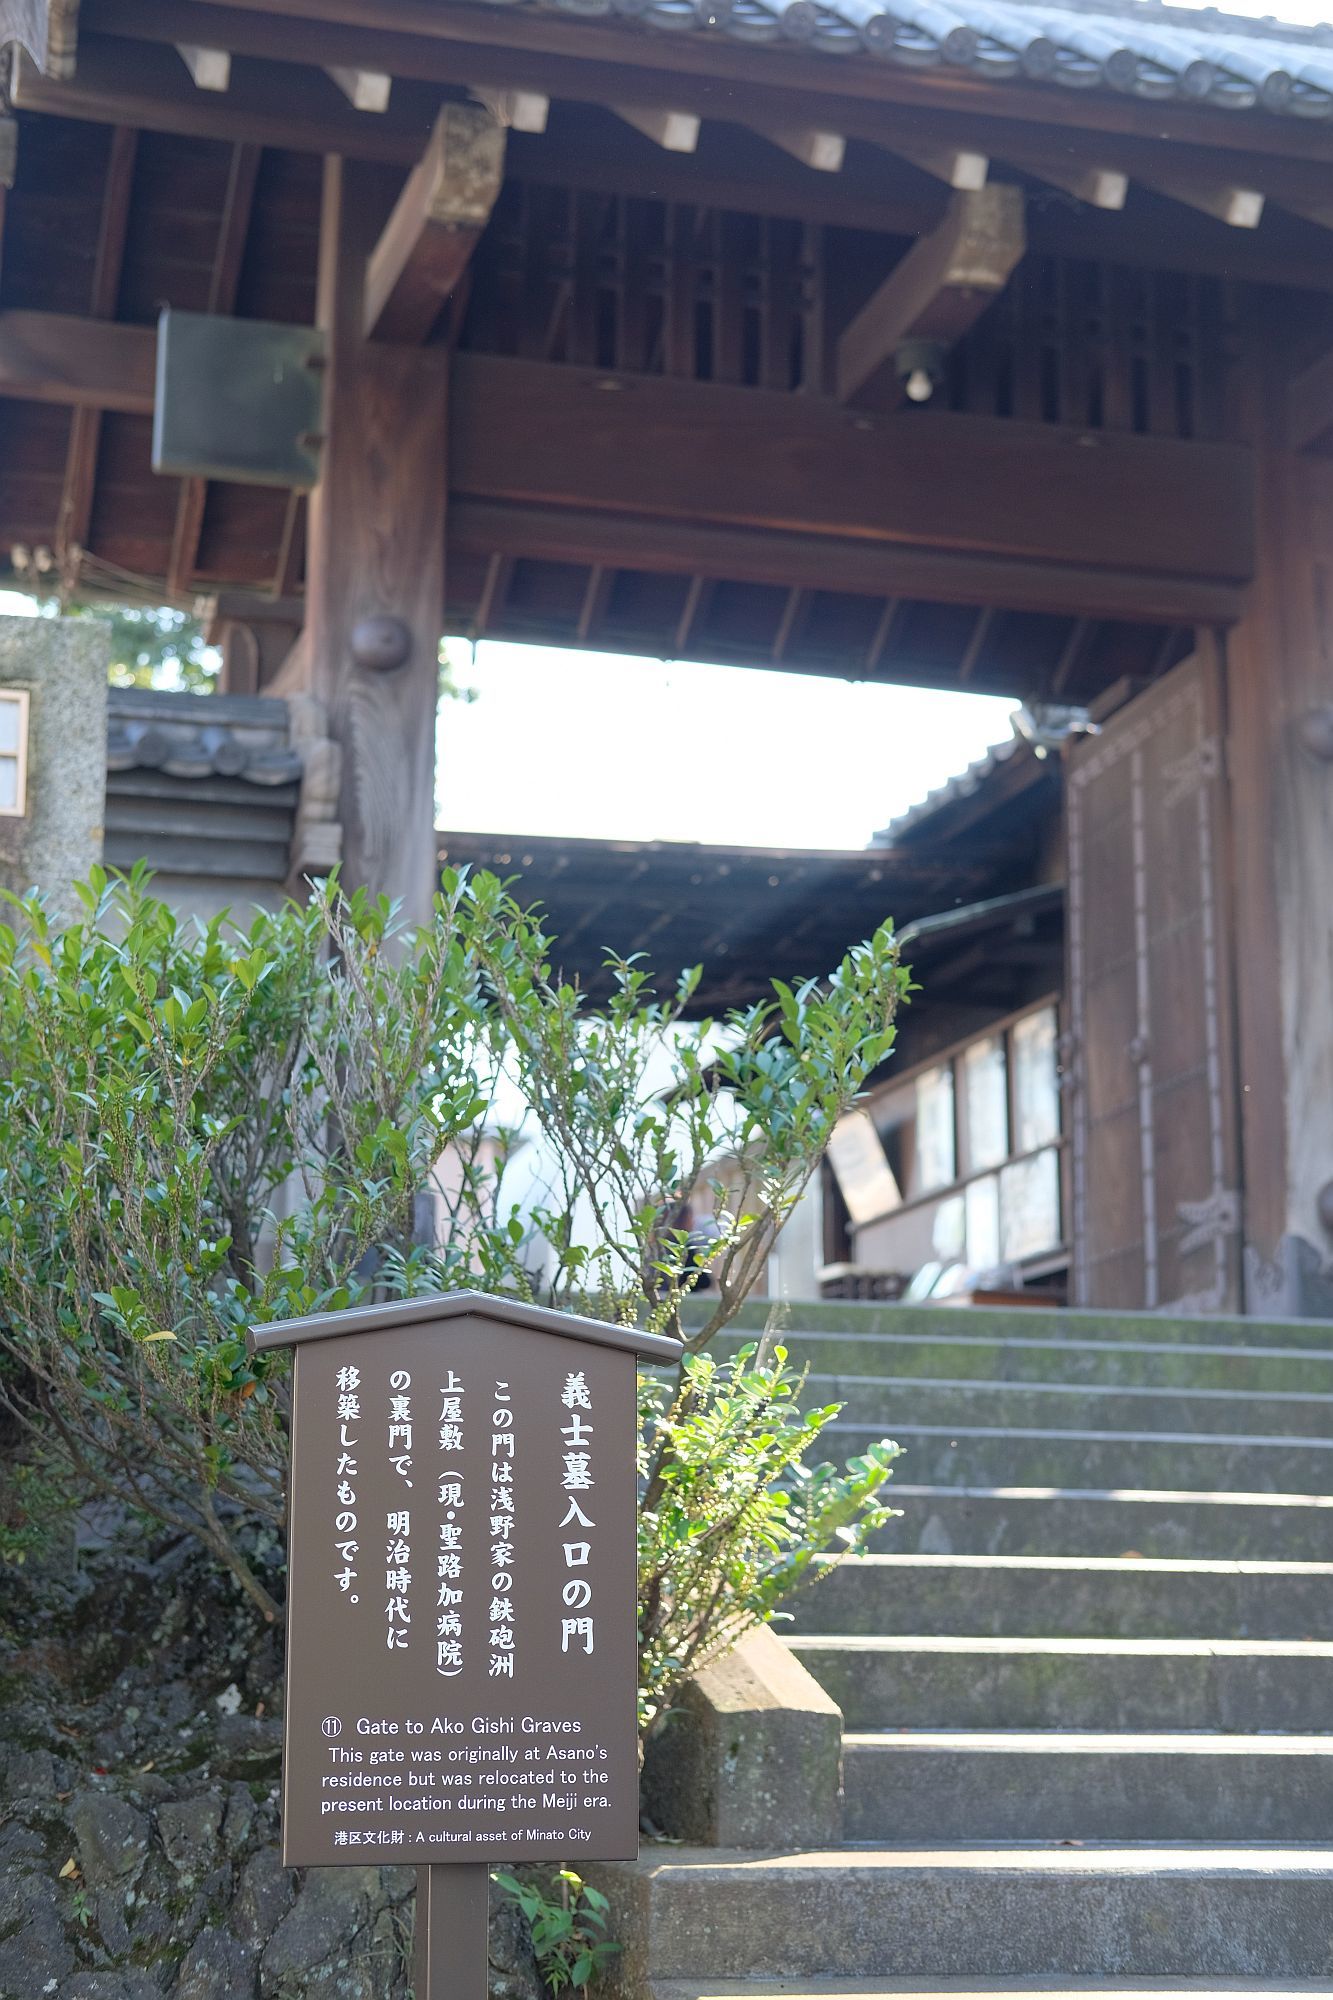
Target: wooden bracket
{"points": [[438, 218], [944, 283]]}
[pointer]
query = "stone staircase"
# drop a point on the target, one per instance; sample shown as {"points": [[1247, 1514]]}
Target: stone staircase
{"points": [[1084, 1680]]}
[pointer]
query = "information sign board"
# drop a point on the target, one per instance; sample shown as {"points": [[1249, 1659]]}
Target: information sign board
{"points": [[461, 1623]]}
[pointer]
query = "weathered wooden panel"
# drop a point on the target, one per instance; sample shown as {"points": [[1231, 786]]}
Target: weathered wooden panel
{"points": [[1155, 1168]]}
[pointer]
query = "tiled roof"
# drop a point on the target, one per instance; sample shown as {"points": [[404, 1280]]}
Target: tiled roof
{"points": [[1142, 49], [963, 786]]}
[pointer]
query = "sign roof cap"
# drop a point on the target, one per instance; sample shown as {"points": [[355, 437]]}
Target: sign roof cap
{"points": [[449, 1305]]}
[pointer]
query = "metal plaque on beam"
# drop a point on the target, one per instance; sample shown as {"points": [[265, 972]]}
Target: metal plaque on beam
{"points": [[238, 399]]}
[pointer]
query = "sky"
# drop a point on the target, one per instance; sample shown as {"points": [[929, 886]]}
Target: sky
{"points": [[597, 745]]}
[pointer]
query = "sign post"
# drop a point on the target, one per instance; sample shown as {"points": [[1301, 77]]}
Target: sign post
{"points": [[462, 1601]]}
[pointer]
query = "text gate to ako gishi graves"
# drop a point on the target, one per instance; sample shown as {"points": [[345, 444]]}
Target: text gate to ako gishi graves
{"points": [[619, 330], [462, 1664]]}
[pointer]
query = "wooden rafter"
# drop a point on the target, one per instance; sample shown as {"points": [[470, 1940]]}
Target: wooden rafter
{"points": [[673, 131], [696, 603], [943, 284], [708, 554], [76, 499], [275, 103], [224, 281], [364, 89], [1310, 407], [975, 646], [435, 225], [1070, 654], [794, 614], [596, 597], [291, 547], [880, 637], [210, 68], [499, 574]]}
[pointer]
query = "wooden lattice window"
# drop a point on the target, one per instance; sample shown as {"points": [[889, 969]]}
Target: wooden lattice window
{"points": [[13, 752]]}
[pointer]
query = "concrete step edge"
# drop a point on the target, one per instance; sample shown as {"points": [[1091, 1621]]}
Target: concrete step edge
{"points": [[968, 1384], [1116, 1496], [1072, 1743], [984, 1989], [1231, 1440], [1113, 1648], [1215, 1860], [1178, 1566]]}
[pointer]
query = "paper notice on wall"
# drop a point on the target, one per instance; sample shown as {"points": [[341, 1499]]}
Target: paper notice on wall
{"points": [[862, 1171]]}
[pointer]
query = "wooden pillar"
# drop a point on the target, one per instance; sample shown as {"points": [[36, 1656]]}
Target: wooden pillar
{"points": [[375, 565], [1280, 756]]}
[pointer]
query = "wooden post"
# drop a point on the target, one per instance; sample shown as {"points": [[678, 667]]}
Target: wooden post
{"points": [[1280, 689], [449, 1957], [375, 566]]}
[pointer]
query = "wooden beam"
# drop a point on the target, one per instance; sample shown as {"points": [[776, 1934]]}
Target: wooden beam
{"points": [[436, 223], [517, 110], [76, 499], [1310, 407], [673, 131], [210, 69], [943, 284], [224, 281], [539, 434], [57, 358], [364, 89]]}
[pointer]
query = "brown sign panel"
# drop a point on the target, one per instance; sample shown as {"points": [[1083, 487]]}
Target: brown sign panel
{"points": [[461, 1654]]}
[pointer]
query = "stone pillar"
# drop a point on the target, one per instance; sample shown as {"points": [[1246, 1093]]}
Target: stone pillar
{"points": [[61, 663]]}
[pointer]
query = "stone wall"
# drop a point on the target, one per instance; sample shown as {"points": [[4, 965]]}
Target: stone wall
{"points": [[62, 663]]}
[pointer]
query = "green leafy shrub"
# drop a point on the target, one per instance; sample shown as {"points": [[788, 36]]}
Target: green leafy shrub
{"points": [[733, 1514], [207, 1127], [567, 1917]]}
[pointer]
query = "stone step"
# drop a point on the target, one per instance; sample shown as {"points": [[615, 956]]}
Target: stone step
{"points": [[978, 1912], [921, 1682], [1108, 1521], [1066, 1597], [1056, 1988], [892, 1401], [982, 1455], [796, 1323], [964, 1356], [1028, 1785]]}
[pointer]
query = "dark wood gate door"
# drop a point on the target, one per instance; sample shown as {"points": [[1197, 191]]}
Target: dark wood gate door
{"points": [[1155, 1182]]}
